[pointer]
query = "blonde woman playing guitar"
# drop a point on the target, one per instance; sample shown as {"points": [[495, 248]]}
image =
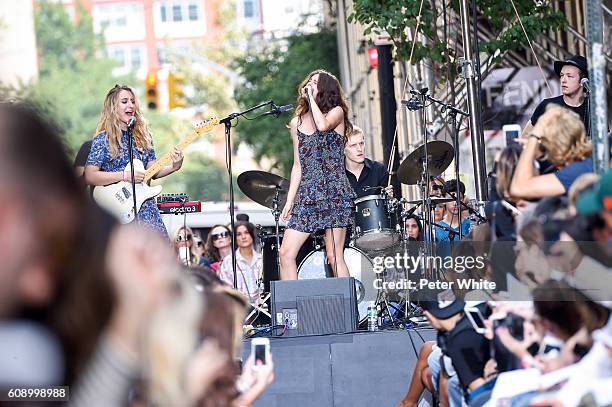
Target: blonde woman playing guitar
{"points": [[108, 161]]}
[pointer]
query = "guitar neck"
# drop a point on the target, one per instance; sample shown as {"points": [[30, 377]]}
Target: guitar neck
{"points": [[166, 159]]}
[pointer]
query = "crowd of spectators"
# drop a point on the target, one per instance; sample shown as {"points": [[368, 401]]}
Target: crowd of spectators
{"points": [[543, 335], [107, 309]]}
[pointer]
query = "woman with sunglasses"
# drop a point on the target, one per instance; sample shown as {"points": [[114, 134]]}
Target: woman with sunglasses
{"points": [[184, 247], [109, 155], [218, 245], [248, 263], [320, 196]]}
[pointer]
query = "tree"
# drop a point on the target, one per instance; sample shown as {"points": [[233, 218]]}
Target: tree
{"points": [[63, 43], [73, 80], [274, 72], [398, 18]]}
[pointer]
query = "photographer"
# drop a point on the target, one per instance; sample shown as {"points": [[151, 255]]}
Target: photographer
{"points": [[458, 341]]}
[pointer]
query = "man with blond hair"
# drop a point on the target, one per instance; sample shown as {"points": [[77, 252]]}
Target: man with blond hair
{"points": [[361, 171]]}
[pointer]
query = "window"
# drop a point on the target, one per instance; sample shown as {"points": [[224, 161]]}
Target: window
{"points": [[162, 56], [163, 13], [249, 11], [180, 11], [177, 14], [118, 54], [193, 12], [136, 58], [117, 16]]}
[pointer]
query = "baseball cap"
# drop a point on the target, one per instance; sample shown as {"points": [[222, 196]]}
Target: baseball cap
{"points": [[442, 304], [599, 198]]}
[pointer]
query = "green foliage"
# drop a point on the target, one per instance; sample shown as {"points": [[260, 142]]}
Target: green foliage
{"points": [[200, 178], [63, 43], [274, 73], [72, 81], [396, 17]]}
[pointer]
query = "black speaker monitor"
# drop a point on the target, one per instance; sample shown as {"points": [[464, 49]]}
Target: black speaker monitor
{"points": [[315, 307]]}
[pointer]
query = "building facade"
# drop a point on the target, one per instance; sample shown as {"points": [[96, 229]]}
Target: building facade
{"points": [[138, 33], [17, 43]]}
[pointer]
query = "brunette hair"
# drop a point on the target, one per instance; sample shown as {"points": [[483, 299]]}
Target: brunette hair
{"points": [[210, 251], [329, 95]]}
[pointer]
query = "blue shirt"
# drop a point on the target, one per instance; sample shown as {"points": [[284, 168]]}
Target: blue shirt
{"points": [[442, 235], [101, 157], [568, 174]]}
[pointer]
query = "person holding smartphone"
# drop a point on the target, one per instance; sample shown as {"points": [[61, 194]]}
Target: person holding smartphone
{"points": [[458, 340]]}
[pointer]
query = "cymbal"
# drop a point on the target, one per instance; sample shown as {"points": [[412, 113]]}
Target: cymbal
{"points": [[440, 154], [261, 187], [434, 200]]}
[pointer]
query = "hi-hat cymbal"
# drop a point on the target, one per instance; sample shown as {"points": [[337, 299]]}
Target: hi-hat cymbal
{"points": [[439, 156], [262, 186]]}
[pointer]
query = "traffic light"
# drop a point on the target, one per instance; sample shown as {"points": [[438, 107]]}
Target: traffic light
{"points": [[151, 94], [176, 92]]}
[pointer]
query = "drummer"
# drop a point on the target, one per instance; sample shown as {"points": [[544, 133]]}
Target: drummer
{"points": [[361, 171]]}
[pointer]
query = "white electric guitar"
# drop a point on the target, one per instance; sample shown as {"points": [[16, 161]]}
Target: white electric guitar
{"points": [[117, 198]]}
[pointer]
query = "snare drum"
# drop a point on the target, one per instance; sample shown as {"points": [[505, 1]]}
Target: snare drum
{"points": [[374, 228], [360, 267]]}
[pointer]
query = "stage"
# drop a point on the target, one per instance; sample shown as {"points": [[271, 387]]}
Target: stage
{"points": [[362, 369]]}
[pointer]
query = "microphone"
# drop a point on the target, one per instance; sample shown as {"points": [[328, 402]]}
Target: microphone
{"points": [[413, 104], [410, 211], [585, 84], [131, 122], [423, 91], [278, 110]]}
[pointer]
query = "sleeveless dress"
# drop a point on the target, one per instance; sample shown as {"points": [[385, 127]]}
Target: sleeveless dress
{"points": [[100, 156], [324, 197]]}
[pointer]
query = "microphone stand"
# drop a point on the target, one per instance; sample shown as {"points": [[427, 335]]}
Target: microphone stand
{"points": [[133, 180], [453, 112], [228, 150]]}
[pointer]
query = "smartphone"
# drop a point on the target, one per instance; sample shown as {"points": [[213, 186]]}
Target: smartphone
{"points": [[510, 207], [476, 319], [184, 255], [260, 349], [511, 132]]}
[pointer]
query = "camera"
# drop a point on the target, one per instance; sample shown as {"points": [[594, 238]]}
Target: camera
{"points": [[514, 323]]}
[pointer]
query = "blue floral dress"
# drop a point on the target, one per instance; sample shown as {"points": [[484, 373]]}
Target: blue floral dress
{"points": [[324, 198], [100, 156]]}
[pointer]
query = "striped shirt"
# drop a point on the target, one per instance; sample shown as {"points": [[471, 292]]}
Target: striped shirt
{"points": [[248, 274]]}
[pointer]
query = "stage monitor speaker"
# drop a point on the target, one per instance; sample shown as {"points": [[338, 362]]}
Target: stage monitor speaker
{"points": [[315, 307]]}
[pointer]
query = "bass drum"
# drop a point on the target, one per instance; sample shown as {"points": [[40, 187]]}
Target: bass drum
{"points": [[269, 253], [360, 267]]}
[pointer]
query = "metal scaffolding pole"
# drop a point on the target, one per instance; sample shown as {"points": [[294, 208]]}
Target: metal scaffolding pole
{"points": [[477, 137], [597, 106]]}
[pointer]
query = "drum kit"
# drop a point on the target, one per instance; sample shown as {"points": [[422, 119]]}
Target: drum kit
{"points": [[379, 226]]}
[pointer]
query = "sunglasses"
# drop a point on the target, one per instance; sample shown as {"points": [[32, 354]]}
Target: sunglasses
{"points": [[199, 243], [221, 235], [180, 238]]}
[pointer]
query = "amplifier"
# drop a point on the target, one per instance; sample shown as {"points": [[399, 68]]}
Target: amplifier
{"points": [[315, 307], [177, 207]]}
